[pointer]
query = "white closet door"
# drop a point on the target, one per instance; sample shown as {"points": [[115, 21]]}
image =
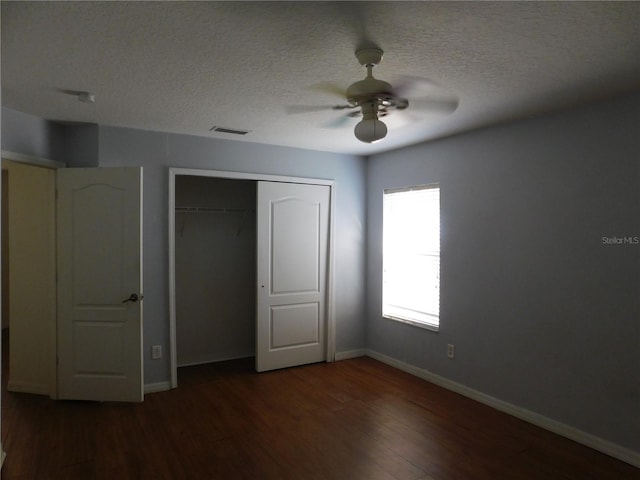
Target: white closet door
{"points": [[100, 284], [292, 237]]}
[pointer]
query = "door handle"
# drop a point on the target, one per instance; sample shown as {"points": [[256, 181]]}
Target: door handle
{"points": [[132, 298]]}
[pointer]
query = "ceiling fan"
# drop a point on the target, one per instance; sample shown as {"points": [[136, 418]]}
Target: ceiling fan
{"points": [[373, 99]]}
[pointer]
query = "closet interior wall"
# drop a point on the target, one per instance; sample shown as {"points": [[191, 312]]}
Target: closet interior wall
{"points": [[215, 250]]}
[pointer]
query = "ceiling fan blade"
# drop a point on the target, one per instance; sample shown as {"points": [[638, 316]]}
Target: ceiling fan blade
{"points": [[339, 122], [399, 119], [408, 86], [296, 109], [435, 104], [330, 88]]}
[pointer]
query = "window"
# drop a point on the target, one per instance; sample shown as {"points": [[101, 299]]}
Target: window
{"points": [[411, 255]]}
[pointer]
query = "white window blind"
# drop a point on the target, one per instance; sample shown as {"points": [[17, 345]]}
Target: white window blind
{"points": [[411, 255]]}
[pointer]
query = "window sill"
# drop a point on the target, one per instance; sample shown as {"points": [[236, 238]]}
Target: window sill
{"points": [[425, 326]]}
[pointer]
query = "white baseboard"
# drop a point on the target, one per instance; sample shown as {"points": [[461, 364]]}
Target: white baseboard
{"points": [[604, 446], [157, 387], [361, 352], [194, 363]]}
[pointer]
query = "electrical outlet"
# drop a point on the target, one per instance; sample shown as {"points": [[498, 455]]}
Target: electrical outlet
{"points": [[450, 350], [156, 352]]}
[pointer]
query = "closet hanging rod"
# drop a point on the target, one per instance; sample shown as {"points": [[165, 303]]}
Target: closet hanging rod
{"points": [[213, 209]]}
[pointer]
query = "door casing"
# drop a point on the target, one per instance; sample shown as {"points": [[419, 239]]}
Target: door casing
{"points": [[173, 172]]}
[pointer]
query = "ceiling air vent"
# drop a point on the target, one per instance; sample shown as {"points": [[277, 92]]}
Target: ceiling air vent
{"points": [[235, 131]]}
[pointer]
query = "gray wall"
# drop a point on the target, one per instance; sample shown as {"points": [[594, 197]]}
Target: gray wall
{"points": [[73, 144], [78, 145], [156, 152], [30, 135], [542, 314]]}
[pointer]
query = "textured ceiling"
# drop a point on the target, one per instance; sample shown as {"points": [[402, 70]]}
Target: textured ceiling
{"points": [[185, 67]]}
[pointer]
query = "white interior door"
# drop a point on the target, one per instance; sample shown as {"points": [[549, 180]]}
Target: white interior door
{"points": [[100, 284], [292, 233]]}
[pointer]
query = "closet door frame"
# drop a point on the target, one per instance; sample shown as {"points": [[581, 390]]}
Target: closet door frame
{"points": [[173, 173]]}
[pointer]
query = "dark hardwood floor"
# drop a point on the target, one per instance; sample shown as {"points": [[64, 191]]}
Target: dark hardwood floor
{"points": [[355, 419]]}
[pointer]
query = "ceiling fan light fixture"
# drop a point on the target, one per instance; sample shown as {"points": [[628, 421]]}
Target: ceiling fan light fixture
{"points": [[370, 129]]}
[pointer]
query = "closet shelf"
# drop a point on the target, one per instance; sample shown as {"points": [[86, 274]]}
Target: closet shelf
{"points": [[213, 210], [244, 211]]}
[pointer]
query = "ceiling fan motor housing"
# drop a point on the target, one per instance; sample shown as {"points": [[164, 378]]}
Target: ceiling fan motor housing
{"points": [[372, 89], [363, 90]]}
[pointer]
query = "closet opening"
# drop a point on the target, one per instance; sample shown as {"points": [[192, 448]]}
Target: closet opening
{"points": [[215, 270], [237, 240]]}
